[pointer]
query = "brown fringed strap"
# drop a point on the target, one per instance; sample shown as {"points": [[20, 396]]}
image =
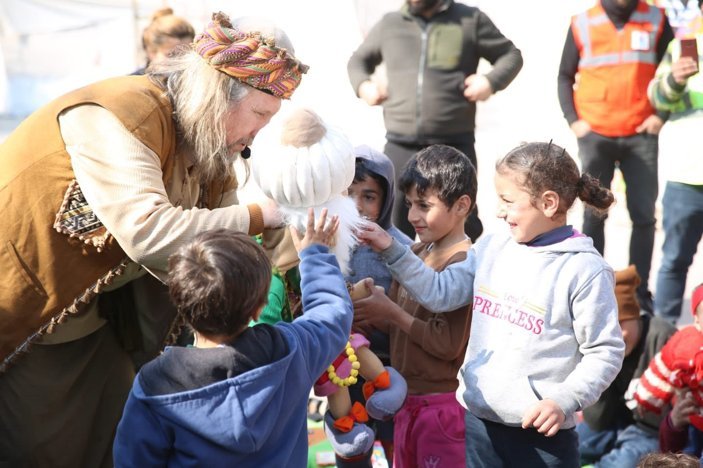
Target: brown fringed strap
{"points": [[177, 325], [78, 303]]}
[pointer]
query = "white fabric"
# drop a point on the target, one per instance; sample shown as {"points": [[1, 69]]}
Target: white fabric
{"points": [[349, 222], [312, 176], [304, 177]]}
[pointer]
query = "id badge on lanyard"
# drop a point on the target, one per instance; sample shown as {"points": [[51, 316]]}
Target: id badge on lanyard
{"points": [[639, 40]]}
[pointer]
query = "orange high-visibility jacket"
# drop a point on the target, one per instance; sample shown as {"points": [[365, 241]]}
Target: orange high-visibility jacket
{"points": [[615, 68]]}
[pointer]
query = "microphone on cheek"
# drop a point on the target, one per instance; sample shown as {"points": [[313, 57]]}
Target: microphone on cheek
{"points": [[246, 152]]}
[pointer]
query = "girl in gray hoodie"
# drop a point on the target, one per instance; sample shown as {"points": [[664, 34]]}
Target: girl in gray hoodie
{"points": [[545, 340]]}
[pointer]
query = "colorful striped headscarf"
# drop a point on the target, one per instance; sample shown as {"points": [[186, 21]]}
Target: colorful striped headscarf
{"points": [[249, 57]]}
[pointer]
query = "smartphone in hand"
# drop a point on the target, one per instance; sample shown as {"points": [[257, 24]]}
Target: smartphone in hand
{"points": [[689, 48]]}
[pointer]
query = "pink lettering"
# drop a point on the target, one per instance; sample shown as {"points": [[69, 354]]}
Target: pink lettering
{"points": [[530, 323], [478, 301], [538, 326]]}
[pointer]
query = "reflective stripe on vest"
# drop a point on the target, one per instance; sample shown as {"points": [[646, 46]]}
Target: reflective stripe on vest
{"points": [[584, 23], [615, 68]]}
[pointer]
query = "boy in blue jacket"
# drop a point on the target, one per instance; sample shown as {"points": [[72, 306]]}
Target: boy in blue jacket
{"points": [[238, 396]]}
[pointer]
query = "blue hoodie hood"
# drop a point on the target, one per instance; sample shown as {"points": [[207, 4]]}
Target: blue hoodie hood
{"points": [[245, 404], [257, 418], [227, 413]]}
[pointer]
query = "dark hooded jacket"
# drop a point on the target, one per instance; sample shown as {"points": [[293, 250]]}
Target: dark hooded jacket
{"points": [[427, 61], [364, 262], [244, 404]]}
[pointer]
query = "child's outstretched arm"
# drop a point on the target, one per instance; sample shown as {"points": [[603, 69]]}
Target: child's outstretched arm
{"points": [[325, 326], [442, 291]]}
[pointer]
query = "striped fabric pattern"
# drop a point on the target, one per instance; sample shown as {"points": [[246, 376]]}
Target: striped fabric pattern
{"points": [[679, 365], [249, 57]]}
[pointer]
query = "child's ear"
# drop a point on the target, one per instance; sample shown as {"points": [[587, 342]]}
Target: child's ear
{"points": [[550, 203], [257, 313], [462, 205]]}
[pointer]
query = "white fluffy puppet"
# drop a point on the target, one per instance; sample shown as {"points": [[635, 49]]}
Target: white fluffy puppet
{"points": [[310, 165]]}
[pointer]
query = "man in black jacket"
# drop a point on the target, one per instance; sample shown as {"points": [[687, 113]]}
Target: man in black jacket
{"points": [[431, 50]]}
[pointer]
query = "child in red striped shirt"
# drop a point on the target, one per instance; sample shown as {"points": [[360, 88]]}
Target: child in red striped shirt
{"points": [[678, 365]]}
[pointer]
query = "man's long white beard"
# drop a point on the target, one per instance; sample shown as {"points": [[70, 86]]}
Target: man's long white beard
{"points": [[349, 222]]}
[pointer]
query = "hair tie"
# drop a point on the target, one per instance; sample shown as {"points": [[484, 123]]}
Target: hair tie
{"points": [[581, 184]]}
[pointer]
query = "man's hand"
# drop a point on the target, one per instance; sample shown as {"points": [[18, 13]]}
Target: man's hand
{"points": [[322, 232], [581, 128], [652, 125], [374, 236], [372, 93], [546, 416], [477, 88], [272, 216], [683, 68]]}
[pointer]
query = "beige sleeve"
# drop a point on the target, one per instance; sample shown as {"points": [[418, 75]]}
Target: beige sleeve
{"points": [[121, 179]]}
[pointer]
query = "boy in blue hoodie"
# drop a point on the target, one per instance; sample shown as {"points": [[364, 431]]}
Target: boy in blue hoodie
{"points": [[373, 190], [238, 396]]}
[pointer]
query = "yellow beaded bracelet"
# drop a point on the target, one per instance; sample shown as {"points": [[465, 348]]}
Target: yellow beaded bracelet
{"points": [[354, 361]]}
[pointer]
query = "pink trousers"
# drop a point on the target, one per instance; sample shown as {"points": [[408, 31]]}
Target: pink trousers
{"points": [[429, 432]]}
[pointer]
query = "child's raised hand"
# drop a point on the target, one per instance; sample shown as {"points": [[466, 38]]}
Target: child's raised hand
{"points": [[374, 236], [546, 416], [322, 232]]}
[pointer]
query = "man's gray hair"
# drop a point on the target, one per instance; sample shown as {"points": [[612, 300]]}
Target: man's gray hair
{"points": [[201, 97]]}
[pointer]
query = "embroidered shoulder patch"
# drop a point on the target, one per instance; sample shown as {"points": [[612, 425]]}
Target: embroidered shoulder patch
{"points": [[76, 219]]}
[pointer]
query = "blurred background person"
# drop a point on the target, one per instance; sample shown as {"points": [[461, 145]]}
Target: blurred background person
{"points": [[610, 55], [678, 88], [164, 35], [431, 49]]}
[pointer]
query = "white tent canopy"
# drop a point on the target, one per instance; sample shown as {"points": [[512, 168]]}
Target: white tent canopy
{"points": [[48, 47]]}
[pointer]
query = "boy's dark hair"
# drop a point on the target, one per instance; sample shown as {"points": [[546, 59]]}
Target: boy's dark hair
{"points": [[546, 166], [444, 169], [218, 280], [361, 173]]}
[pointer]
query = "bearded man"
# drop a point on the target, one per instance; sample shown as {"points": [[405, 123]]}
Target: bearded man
{"points": [[98, 188], [431, 50]]}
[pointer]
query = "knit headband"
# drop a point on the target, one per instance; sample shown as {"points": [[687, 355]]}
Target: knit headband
{"points": [[249, 57]]}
